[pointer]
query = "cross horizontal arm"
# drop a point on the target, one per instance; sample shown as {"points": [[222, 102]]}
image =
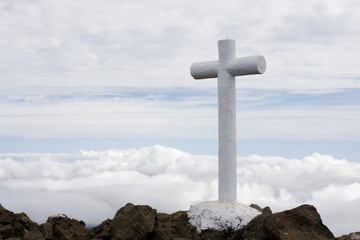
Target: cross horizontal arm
{"points": [[201, 70], [246, 66], [236, 67]]}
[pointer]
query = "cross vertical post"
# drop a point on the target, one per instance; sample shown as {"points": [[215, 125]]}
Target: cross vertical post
{"points": [[225, 69], [226, 123]]}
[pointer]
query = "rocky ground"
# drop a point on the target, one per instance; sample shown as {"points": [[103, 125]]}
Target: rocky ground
{"points": [[143, 222]]}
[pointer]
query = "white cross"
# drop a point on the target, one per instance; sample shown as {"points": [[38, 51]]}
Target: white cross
{"points": [[225, 70]]}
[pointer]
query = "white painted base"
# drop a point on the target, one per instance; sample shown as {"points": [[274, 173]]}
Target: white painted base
{"points": [[219, 216]]}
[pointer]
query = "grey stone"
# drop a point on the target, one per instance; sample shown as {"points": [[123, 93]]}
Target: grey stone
{"points": [[226, 69], [133, 222]]}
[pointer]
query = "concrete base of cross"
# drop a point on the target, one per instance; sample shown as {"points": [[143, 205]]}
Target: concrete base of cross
{"points": [[219, 216]]}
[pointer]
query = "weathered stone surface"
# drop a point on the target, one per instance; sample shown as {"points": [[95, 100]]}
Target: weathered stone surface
{"points": [[18, 226], [219, 216], [351, 236], [142, 222], [133, 222], [256, 228], [174, 226], [299, 223], [101, 232], [32, 231], [9, 225], [64, 228], [226, 69], [265, 210], [47, 230]]}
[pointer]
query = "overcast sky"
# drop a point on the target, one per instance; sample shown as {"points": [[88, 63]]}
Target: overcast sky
{"points": [[97, 75]]}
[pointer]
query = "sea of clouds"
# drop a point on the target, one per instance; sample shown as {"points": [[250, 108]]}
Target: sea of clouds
{"points": [[93, 185]]}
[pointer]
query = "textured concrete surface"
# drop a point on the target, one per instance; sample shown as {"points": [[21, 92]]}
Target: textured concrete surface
{"points": [[226, 69]]}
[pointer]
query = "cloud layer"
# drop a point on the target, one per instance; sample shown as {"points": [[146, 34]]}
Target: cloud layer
{"points": [[178, 113], [129, 43], [51, 50], [92, 185]]}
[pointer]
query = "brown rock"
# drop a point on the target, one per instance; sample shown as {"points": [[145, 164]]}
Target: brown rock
{"points": [[143, 223], [133, 222], [255, 206], [300, 223], [174, 226], [47, 230], [32, 231], [227, 234], [9, 225], [351, 236], [101, 232], [265, 210], [257, 229], [64, 228]]}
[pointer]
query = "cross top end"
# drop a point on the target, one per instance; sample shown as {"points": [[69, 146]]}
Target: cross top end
{"points": [[228, 61]]}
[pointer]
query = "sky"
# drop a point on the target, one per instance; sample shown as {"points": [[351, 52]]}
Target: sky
{"points": [[86, 84]]}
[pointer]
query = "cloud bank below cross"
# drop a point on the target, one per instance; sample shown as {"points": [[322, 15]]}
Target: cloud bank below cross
{"points": [[92, 185]]}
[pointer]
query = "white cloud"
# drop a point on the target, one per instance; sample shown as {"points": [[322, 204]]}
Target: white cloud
{"points": [[136, 43], [92, 185], [59, 47], [39, 116]]}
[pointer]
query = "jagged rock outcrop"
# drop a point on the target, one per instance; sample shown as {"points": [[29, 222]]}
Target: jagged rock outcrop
{"points": [[174, 226], [299, 223], [9, 225], [31, 229], [133, 222], [61, 227], [102, 231], [144, 223], [351, 236]]}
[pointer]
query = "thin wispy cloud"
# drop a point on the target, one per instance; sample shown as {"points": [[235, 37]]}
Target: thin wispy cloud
{"points": [[182, 113]]}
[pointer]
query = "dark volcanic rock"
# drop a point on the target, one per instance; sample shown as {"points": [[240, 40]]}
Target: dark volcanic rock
{"points": [[9, 225], [32, 231], [101, 232], [133, 222], [144, 223], [351, 236], [299, 223], [47, 230], [174, 226], [18, 226], [64, 228]]}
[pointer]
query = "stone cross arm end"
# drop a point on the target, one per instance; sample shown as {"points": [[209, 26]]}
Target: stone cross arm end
{"points": [[236, 67]]}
